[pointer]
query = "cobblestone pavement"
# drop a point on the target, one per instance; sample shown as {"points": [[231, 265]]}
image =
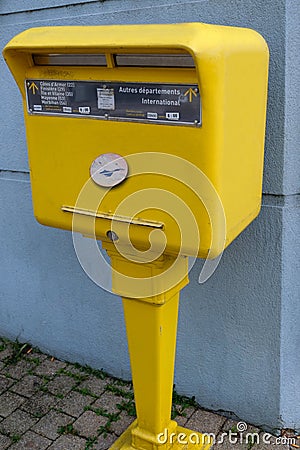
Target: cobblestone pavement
{"points": [[50, 404]]}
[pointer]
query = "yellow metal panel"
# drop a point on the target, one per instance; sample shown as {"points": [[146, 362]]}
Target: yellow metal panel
{"points": [[182, 438], [231, 66], [151, 333]]}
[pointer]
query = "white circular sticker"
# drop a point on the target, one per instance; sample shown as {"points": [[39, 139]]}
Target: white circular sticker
{"points": [[109, 169]]}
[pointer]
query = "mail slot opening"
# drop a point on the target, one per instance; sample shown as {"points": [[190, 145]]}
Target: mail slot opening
{"points": [[120, 60], [154, 60], [59, 59]]}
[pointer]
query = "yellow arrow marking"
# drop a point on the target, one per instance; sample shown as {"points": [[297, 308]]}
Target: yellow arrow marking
{"points": [[33, 87], [190, 92]]}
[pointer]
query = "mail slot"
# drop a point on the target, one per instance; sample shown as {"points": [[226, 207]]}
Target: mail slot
{"points": [[170, 116]]}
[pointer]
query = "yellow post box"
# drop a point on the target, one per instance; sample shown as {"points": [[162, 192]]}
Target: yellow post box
{"points": [[149, 138]]}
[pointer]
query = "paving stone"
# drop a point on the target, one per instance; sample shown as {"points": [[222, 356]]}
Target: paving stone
{"points": [[19, 369], [70, 368], [181, 420], [36, 356], [9, 402], [186, 414], [37, 422], [104, 443], [226, 445], [31, 441], [5, 383], [50, 367], [124, 386], [17, 423], [95, 385], [6, 353], [108, 401], [28, 385], [74, 403], [89, 423], [230, 425], [205, 422], [39, 404], [123, 392], [235, 425], [122, 424], [61, 384], [50, 423], [229, 436], [68, 442], [4, 442]]}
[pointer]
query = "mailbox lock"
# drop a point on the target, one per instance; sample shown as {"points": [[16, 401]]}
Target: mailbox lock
{"points": [[112, 236], [109, 169]]}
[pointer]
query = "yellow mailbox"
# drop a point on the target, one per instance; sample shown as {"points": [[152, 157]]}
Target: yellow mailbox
{"points": [[149, 138], [195, 91]]}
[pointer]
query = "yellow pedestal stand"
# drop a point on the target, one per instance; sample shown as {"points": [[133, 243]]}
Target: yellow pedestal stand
{"points": [[151, 324]]}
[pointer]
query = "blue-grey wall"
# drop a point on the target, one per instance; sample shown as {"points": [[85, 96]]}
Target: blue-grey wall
{"points": [[241, 328]]}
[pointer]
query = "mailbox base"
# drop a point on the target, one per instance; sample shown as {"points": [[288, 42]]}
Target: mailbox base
{"points": [[181, 439]]}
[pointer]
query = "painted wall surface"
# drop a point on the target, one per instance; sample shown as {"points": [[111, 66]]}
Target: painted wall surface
{"points": [[266, 17], [290, 314], [46, 297], [292, 96], [241, 327]]}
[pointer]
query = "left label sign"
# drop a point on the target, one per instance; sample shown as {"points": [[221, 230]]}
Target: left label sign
{"points": [[50, 97]]}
